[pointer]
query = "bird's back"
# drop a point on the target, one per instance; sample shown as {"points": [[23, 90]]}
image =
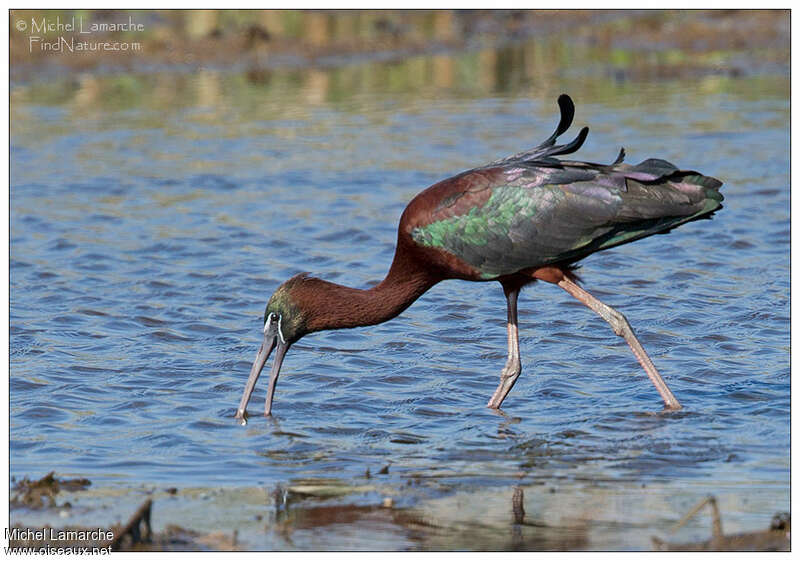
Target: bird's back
{"points": [[533, 209]]}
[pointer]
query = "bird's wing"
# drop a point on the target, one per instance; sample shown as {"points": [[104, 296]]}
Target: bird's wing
{"points": [[522, 215]]}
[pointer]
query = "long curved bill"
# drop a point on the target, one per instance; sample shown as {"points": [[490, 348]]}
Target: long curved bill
{"points": [[273, 375], [271, 341]]}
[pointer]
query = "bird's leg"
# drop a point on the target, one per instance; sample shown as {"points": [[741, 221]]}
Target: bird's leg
{"points": [[513, 366], [622, 328]]}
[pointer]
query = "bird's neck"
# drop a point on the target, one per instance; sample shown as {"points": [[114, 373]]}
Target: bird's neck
{"points": [[337, 307]]}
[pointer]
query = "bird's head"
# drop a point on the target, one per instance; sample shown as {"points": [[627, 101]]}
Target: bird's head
{"points": [[285, 322], [285, 310]]}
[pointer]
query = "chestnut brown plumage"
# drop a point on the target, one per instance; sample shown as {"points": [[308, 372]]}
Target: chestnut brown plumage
{"points": [[527, 217]]}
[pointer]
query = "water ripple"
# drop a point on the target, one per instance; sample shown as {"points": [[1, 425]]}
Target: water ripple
{"points": [[137, 298]]}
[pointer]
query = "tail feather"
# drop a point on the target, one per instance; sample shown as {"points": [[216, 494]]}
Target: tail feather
{"points": [[707, 204], [703, 180]]}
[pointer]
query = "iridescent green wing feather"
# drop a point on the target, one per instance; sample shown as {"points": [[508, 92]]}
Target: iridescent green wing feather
{"points": [[532, 209], [536, 215]]}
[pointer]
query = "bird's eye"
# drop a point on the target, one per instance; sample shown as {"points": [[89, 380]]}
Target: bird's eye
{"points": [[270, 318]]}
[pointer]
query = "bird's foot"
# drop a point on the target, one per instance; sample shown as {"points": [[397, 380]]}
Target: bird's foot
{"points": [[508, 378], [241, 417]]}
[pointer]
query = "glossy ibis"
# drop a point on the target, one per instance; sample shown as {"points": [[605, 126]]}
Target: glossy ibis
{"points": [[527, 217]]}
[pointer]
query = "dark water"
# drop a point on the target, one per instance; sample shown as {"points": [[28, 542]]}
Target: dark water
{"points": [[152, 217]]}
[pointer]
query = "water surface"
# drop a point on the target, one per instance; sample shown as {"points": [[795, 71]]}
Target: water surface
{"points": [[153, 215]]}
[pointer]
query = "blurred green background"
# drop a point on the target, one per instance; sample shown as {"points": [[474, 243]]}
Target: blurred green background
{"points": [[331, 55]]}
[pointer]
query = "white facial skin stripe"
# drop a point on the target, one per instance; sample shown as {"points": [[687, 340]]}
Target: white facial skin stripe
{"points": [[280, 332]]}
